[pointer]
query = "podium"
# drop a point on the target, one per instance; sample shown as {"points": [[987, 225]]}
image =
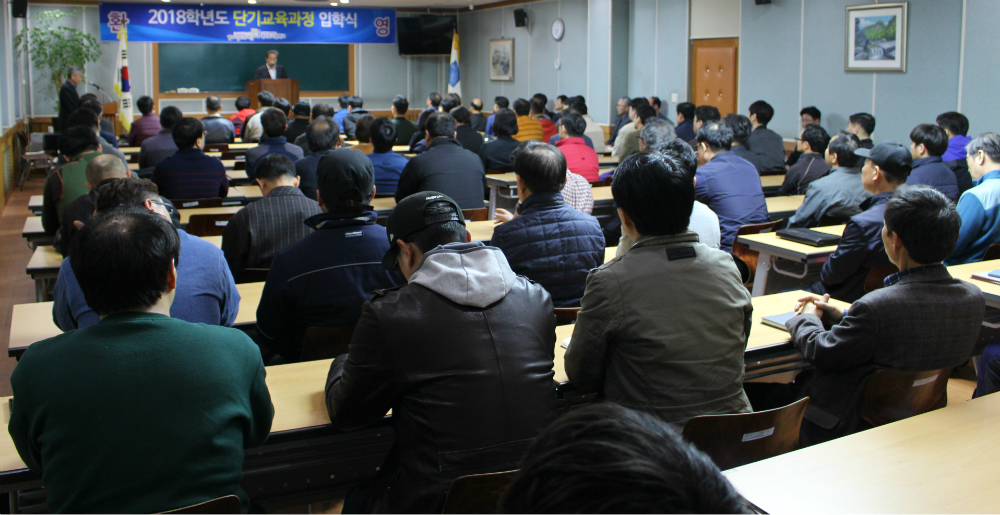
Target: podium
{"points": [[284, 88]]}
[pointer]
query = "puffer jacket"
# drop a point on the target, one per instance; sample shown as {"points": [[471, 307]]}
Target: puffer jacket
{"points": [[463, 357], [552, 244]]}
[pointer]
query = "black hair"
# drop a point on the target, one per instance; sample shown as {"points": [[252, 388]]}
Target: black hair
{"points": [[645, 112], [322, 134], [274, 122], [435, 99], [707, 114], [740, 125], [955, 122], [438, 234], [283, 104], [562, 98], [686, 109], [122, 258], [87, 96], [461, 115], [145, 105], [574, 123], [342, 101], [383, 134], [476, 104], [186, 132], [925, 220], [265, 99], [578, 106], [441, 124], [864, 120], [323, 110], [455, 97], [605, 458], [356, 102], [447, 104], [242, 103], [537, 105], [816, 137], [578, 98], [812, 111], [77, 140], [94, 105], [125, 192], [504, 122], [541, 166], [843, 146], [501, 102], [763, 110], [401, 104], [655, 101], [716, 135], [83, 117], [169, 116], [655, 192], [274, 166], [682, 154], [361, 126], [933, 137], [638, 102], [521, 107], [213, 103], [302, 109], [541, 96]]}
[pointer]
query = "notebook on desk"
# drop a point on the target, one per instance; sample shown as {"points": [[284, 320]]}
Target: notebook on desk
{"points": [[778, 321], [990, 277], [809, 237]]}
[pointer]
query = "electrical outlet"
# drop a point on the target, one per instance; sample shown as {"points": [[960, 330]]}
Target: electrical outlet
{"points": [[673, 98]]}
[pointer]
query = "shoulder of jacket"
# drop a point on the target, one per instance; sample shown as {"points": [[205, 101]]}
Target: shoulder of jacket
{"points": [[379, 296]]}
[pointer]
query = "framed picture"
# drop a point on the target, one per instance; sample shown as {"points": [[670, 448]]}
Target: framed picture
{"points": [[502, 59], [876, 38]]}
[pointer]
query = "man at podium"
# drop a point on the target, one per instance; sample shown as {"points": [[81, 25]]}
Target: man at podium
{"points": [[271, 68]]}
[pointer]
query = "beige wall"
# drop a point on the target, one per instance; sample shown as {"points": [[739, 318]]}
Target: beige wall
{"points": [[715, 19]]}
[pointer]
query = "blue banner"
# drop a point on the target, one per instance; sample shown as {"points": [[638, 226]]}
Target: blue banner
{"points": [[247, 24]]}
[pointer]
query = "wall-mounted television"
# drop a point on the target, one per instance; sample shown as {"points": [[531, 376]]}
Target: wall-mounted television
{"points": [[425, 34]]}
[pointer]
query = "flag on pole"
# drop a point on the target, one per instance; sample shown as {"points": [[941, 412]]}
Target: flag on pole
{"points": [[454, 81], [122, 87]]}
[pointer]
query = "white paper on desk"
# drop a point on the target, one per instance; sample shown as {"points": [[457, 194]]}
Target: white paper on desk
{"points": [[565, 342]]}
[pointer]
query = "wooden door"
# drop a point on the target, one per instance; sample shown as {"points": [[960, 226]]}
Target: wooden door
{"points": [[715, 73]]}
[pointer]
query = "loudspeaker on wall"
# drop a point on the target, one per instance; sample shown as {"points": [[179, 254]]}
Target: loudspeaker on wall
{"points": [[520, 18]]}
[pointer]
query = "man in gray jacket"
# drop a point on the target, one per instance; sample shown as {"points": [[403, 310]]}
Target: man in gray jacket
{"points": [[663, 328], [838, 195]]}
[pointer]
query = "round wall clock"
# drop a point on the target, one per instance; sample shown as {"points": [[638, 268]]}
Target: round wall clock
{"points": [[558, 29]]}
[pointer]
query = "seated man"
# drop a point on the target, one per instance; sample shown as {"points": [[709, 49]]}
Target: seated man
{"points": [[405, 129], [217, 128], [445, 167], [462, 355], [923, 319], [639, 359], [356, 110], [763, 141], [728, 185], [476, 118], [622, 110], [980, 206], [594, 132], [861, 248], [318, 110], [388, 164], [495, 153], [628, 140], [685, 121], [162, 406], [78, 145], [808, 116], [274, 123], [956, 126], [549, 128], [628, 130], [464, 133], [580, 159], [811, 165], [205, 292], [301, 112], [161, 146], [252, 129], [324, 278], [189, 173], [148, 125], [498, 104], [262, 228], [528, 128], [990, 382], [100, 171], [741, 127], [342, 110], [841, 192], [928, 142], [862, 125], [644, 467], [703, 115], [84, 117], [243, 111], [104, 127], [322, 136], [550, 242]]}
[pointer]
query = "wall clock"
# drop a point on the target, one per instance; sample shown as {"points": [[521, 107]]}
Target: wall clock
{"points": [[558, 29]]}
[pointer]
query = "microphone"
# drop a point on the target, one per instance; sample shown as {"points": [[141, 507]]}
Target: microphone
{"points": [[95, 85]]}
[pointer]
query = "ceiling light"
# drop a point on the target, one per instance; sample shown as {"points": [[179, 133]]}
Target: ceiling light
{"points": [[345, 1], [251, 1], [334, 4], [166, 1]]}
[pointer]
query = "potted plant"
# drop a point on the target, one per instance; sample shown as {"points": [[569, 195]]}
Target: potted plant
{"points": [[56, 47]]}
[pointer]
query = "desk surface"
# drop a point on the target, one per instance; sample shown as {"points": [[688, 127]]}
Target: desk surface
{"points": [[772, 181], [990, 291], [384, 203], [784, 204], [35, 202], [938, 462], [45, 258], [602, 193], [252, 191], [186, 213], [32, 226], [770, 242], [609, 160], [237, 175]]}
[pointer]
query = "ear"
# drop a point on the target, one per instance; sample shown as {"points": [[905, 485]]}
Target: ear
{"points": [[296, 181], [468, 236], [372, 198], [172, 278], [319, 198]]}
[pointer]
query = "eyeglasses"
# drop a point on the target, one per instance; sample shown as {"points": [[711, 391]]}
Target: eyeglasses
{"points": [[170, 209]]}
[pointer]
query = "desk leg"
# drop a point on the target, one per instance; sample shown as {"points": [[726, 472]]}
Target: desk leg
{"points": [[40, 290], [760, 276], [493, 201]]}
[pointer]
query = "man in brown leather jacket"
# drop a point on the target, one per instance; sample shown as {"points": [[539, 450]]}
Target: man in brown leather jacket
{"points": [[462, 355]]}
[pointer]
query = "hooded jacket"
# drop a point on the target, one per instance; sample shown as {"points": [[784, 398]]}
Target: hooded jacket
{"points": [[463, 357]]}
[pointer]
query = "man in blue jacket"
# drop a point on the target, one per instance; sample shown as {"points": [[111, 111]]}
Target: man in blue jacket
{"points": [[549, 242], [980, 206], [928, 142]]}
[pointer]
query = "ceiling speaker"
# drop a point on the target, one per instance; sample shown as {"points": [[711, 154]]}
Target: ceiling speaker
{"points": [[520, 18]]}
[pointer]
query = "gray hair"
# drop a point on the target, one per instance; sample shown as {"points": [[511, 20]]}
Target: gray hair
{"points": [[989, 143], [269, 52], [657, 132], [74, 70]]}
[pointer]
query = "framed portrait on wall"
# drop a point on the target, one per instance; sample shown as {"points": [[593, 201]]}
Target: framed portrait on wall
{"points": [[502, 59], [876, 38]]}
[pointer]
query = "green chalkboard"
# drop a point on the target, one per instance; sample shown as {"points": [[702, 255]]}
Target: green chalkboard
{"points": [[228, 67]]}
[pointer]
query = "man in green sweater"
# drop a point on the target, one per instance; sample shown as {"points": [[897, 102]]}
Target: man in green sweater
{"points": [[140, 413]]}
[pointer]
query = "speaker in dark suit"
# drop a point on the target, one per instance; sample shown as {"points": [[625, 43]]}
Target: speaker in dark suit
{"points": [[279, 72]]}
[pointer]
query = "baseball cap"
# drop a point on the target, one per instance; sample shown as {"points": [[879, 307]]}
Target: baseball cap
{"points": [[345, 178], [890, 156], [408, 217]]}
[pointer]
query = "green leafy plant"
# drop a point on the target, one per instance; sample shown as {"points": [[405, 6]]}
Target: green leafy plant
{"points": [[55, 47]]}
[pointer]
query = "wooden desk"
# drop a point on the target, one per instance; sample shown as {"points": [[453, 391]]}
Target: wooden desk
{"points": [[609, 253], [214, 240], [991, 292], [35, 233], [481, 231], [502, 186], [938, 462], [251, 192], [383, 206], [783, 207], [602, 195], [35, 203], [401, 149], [186, 213], [43, 267], [609, 160], [771, 183], [237, 175], [771, 247]]}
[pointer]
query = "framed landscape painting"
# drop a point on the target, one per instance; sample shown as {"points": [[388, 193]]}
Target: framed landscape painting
{"points": [[502, 59], [876, 38]]}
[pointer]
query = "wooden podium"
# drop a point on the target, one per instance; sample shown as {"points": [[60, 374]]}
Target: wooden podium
{"points": [[281, 88]]}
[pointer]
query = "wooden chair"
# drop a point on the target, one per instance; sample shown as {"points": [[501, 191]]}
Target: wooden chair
{"points": [[326, 342], [876, 278], [193, 203], [735, 440], [208, 225], [992, 253], [566, 316], [220, 506], [240, 165], [367, 148], [892, 395], [607, 180], [750, 256], [253, 275], [475, 215], [495, 171], [479, 493]]}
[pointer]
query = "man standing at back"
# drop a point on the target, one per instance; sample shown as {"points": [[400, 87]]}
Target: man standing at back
{"points": [[69, 98], [217, 128], [158, 147], [763, 141], [189, 173], [444, 167], [462, 355]]}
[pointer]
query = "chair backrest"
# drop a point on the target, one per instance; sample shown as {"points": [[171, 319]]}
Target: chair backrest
{"points": [[735, 440], [220, 506], [775, 171], [479, 493], [326, 342], [208, 225], [892, 395], [492, 171], [876, 278], [827, 220], [253, 275], [193, 203], [750, 256], [992, 253], [566, 316], [240, 165], [475, 215], [608, 180], [230, 155], [216, 147]]}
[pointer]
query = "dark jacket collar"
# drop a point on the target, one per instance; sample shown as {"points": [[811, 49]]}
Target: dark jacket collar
{"points": [[809, 157], [280, 140], [193, 151], [927, 160], [875, 200], [285, 191], [545, 199], [648, 241], [444, 141], [164, 131], [335, 220]]}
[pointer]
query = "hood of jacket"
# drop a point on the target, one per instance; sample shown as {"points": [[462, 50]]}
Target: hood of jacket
{"points": [[469, 274]]}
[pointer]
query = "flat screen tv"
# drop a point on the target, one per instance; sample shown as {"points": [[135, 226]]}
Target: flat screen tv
{"points": [[425, 35]]}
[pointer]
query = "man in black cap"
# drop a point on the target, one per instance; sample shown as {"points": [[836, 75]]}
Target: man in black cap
{"points": [[322, 279], [462, 355], [446, 166], [861, 249]]}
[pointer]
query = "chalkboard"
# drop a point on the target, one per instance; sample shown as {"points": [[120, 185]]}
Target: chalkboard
{"points": [[228, 67]]}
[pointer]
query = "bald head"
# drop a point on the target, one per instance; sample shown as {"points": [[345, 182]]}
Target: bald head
{"points": [[103, 167]]}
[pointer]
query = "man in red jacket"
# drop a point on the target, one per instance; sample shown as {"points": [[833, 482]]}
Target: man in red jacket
{"points": [[580, 158]]}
